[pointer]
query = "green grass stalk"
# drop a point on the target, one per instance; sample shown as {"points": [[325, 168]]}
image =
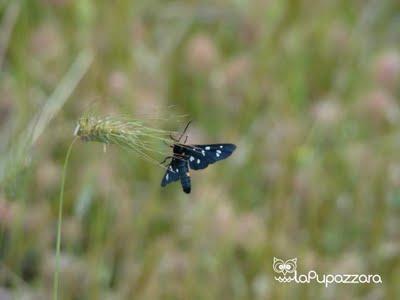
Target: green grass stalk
{"points": [[59, 222]]}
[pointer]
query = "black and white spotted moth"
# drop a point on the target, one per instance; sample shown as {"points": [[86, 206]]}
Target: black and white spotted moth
{"points": [[193, 157]]}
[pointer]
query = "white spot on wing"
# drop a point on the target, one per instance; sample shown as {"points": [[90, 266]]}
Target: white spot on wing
{"points": [[219, 151], [221, 146], [203, 152], [217, 154], [198, 161], [177, 170], [207, 148], [167, 177], [191, 158]]}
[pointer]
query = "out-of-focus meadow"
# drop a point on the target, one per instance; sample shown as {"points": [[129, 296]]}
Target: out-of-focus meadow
{"points": [[309, 92]]}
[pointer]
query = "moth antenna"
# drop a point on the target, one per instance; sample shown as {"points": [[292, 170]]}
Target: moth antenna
{"points": [[184, 131]]}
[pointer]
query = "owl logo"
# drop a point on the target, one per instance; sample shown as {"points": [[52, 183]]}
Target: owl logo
{"points": [[285, 267]]}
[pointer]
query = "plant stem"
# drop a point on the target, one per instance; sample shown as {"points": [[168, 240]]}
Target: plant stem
{"points": [[59, 222]]}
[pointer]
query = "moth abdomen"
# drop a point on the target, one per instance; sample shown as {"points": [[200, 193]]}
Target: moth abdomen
{"points": [[186, 183]]}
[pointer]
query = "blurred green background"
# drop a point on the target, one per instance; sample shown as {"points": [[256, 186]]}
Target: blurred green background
{"points": [[309, 92]]}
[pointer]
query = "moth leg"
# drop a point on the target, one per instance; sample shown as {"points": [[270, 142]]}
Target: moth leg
{"points": [[180, 157], [172, 138], [165, 160], [169, 145]]}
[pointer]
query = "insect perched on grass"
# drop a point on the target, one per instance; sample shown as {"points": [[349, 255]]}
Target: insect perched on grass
{"points": [[131, 134], [195, 157]]}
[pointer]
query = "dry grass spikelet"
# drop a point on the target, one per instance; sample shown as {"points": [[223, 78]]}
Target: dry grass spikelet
{"points": [[130, 134]]}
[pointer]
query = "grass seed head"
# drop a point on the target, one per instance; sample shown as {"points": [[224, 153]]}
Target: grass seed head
{"points": [[127, 133]]}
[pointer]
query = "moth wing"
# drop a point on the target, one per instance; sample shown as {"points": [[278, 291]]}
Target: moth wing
{"points": [[200, 156], [172, 173]]}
